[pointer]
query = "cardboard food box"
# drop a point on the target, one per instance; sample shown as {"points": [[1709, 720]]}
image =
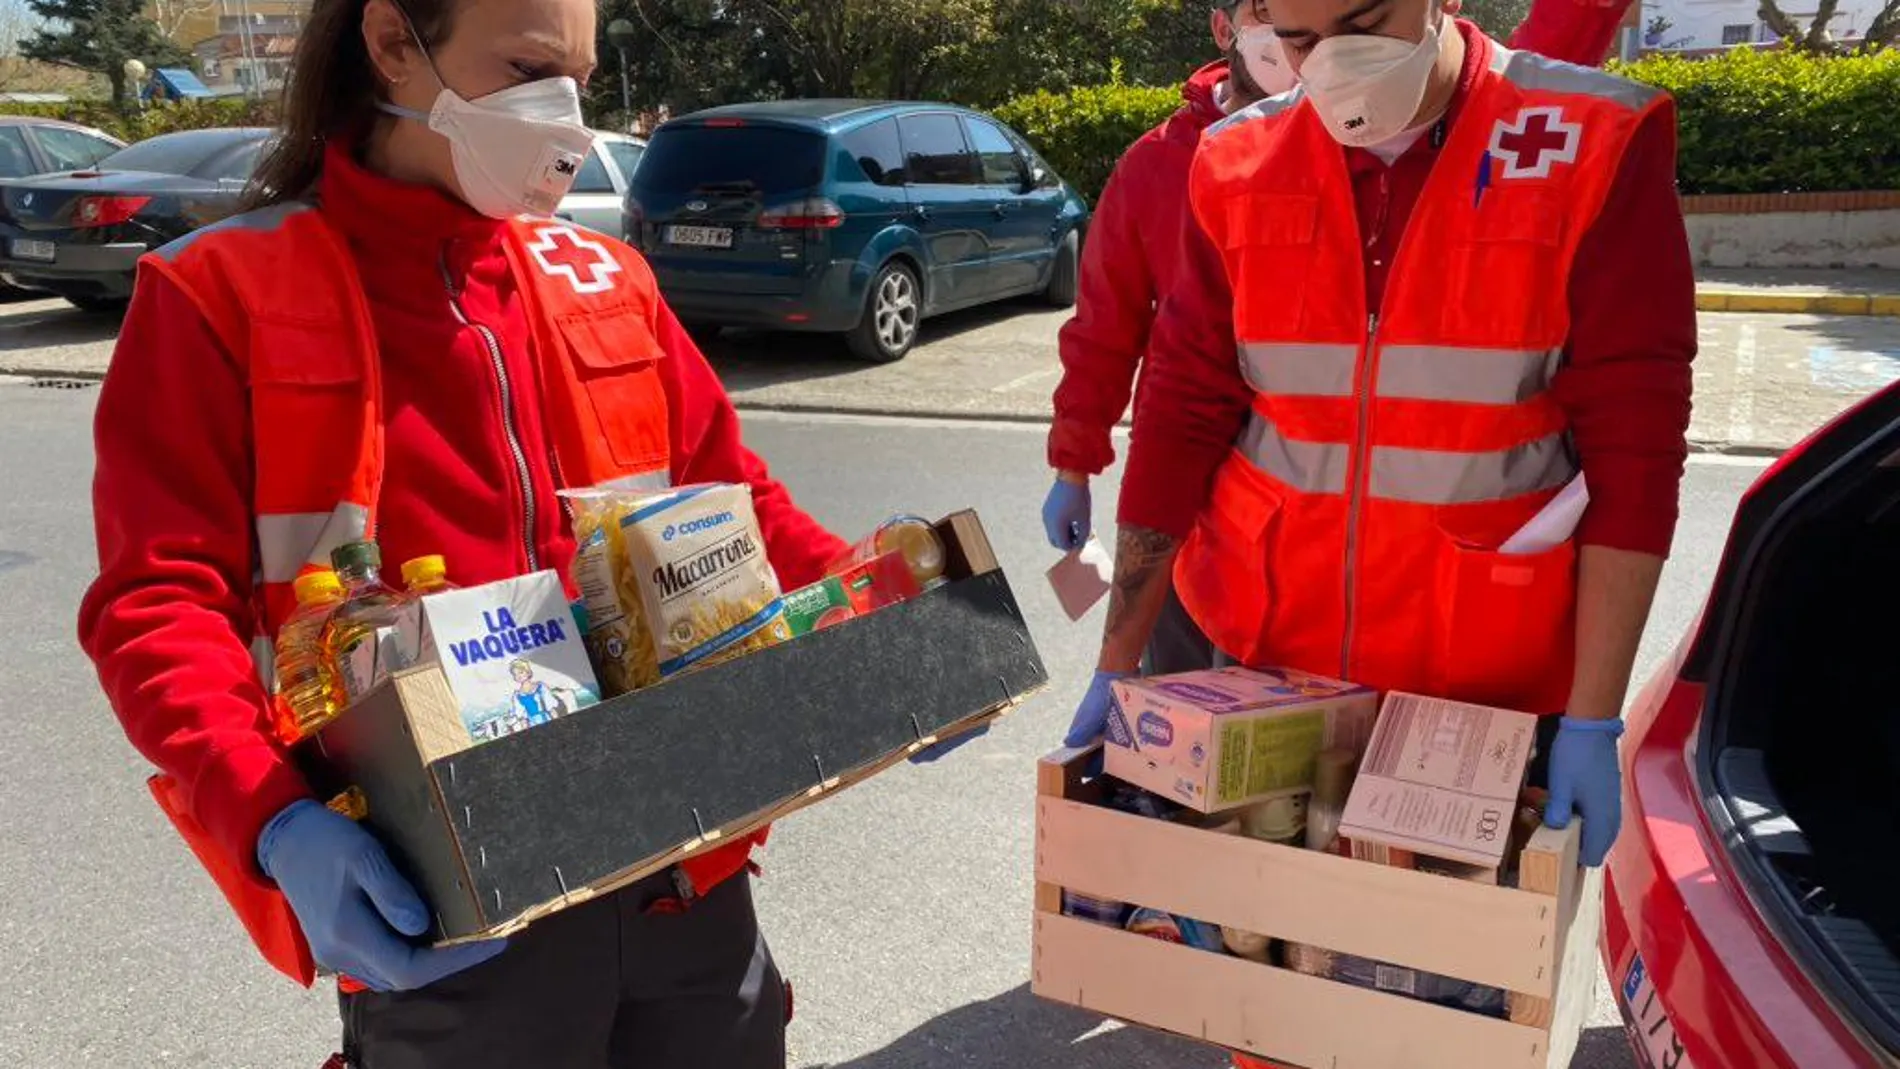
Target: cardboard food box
{"points": [[1218, 739], [500, 834], [1440, 779], [1536, 941]]}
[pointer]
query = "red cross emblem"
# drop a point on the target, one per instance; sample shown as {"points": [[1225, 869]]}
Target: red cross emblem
{"points": [[586, 264], [1536, 139]]}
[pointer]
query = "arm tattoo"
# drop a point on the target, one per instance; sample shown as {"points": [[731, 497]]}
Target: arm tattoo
{"points": [[1141, 557]]}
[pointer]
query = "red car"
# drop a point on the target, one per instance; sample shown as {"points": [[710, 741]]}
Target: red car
{"points": [[1752, 907]]}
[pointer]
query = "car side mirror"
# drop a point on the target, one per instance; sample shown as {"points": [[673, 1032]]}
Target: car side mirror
{"points": [[1038, 178]]}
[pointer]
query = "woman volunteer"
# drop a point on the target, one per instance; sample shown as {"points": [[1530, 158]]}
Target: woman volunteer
{"points": [[391, 343]]}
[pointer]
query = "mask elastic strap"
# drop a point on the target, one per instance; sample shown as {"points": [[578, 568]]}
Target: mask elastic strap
{"points": [[398, 110], [401, 112]]}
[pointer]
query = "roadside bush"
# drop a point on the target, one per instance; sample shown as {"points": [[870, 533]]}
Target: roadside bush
{"points": [[1782, 121], [1750, 122], [1084, 131], [154, 119]]}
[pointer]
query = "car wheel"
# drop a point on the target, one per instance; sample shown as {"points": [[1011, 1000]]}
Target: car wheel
{"points": [[100, 305], [892, 311], [1062, 276]]}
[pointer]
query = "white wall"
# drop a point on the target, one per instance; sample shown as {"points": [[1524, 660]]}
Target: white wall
{"points": [[1698, 24], [1797, 239]]}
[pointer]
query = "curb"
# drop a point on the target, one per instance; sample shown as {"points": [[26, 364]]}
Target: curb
{"points": [[1832, 304]]}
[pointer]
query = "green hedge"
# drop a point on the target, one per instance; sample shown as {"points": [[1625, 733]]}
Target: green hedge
{"points": [[157, 118], [1782, 122], [1084, 131], [1750, 122]]}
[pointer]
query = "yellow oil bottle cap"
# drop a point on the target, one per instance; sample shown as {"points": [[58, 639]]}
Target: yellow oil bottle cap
{"points": [[425, 572], [317, 586]]}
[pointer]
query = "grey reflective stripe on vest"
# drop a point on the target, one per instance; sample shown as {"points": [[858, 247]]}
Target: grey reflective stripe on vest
{"points": [[263, 220], [1436, 477], [1310, 467], [1535, 73], [1299, 369], [1264, 109], [1474, 376], [286, 542]]}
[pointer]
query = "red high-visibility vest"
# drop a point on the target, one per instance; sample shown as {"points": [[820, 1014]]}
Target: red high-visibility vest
{"points": [[1389, 452], [280, 291]]}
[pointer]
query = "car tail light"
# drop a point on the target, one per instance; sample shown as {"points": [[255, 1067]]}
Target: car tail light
{"points": [[725, 124], [107, 211], [815, 213]]}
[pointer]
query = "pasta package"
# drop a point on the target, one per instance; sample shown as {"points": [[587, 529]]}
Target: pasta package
{"points": [[673, 581]]}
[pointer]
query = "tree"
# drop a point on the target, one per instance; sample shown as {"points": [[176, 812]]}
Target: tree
{"points": [[173, 15], [1816, 36], [1497, 17], [99, 36]]}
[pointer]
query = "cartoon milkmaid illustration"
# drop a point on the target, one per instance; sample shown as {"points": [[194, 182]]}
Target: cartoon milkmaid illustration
{"points": [[537, 701]]}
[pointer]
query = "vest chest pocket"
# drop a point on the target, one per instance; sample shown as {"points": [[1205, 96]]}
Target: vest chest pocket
{"points": [[616, 359], [1509, 278], [302, 382], [1269, 243]]}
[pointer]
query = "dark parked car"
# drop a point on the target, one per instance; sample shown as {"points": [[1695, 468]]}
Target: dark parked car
{"points": [[30, 146], [850, 217], [79, 234]]}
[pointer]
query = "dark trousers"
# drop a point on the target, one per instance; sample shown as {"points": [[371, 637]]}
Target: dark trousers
{"points": [[1177, 644], [611, 984]]}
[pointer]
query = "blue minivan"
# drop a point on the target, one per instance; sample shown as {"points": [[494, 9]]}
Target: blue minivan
{"points": [[848, 217]]}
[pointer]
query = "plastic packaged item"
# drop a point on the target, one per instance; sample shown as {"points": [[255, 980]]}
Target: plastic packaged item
{"points": [[818, 606], [306, 687], [1156, 924], [1103, 911], [1418, 984], [426, 575], [1332, 783], [355, 632], [689, 581], [1250, 945], [1277, 820], [911, 536]]}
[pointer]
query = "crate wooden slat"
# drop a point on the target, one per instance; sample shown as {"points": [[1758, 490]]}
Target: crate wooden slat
{"points": [[1538, 942]]}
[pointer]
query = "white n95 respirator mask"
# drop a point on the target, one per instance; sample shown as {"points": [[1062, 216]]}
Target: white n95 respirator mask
{"points": [[1265, 56], [516, 152], [1367, 89]]}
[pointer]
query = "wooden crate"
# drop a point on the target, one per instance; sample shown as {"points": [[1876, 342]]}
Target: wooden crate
{"points": [[1537, 942]]}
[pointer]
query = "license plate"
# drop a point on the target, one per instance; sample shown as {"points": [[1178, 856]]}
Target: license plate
{"points": [[1655, 1038], [43, 251], [705, 237]]}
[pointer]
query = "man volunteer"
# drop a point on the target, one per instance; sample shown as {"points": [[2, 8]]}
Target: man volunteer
{"points": [[1458, 279], [1131, 258]]}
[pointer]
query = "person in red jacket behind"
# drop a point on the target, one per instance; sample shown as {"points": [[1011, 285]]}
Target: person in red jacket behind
{"points": [[1132, 259], [503, 352]]}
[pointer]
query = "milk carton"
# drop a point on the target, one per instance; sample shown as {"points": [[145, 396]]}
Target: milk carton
{"points": [[1219, 739], [511, 651]]}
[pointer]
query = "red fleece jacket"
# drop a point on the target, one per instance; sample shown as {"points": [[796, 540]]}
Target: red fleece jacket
{"points": [[1133, 256], [169, 621], [1625, 382]]}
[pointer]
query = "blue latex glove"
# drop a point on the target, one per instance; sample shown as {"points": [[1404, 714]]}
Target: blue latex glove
{"points": [[1586, 780], [1091, 717], [931, 754], [1065, 515], [353, 906]]}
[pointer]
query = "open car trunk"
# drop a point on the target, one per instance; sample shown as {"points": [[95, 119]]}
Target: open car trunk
{"points": [[1800, 755]]}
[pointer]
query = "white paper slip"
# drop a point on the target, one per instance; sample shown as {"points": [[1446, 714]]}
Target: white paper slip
{"points": [[1081, 578], [1553, 525]]}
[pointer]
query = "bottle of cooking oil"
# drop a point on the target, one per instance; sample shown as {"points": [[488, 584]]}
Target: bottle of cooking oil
{"points": [[369, 608], [306, 692], [426, 575]]}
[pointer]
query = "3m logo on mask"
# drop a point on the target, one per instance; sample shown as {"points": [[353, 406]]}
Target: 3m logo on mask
{"points": [[586, 264]]}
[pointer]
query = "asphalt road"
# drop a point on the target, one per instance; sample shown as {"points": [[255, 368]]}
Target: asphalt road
{"points": [[899, 908]]}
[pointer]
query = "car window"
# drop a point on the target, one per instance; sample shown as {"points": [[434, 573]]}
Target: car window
{"points": [[593, 177], [1001, 164], [935, 153], [877, 151], [626, 156], [167, 154], [72, 150], [15, 160], [771, 160]]}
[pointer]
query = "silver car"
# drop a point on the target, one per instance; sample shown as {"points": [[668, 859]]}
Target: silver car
{"points": [[600, 190]]}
